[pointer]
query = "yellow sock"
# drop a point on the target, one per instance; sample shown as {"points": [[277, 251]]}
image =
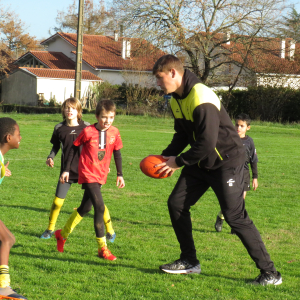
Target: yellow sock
{"points": [[74, 219], [101, 242], [4, 276], [54, 212], [107, 221], [221, 215]]}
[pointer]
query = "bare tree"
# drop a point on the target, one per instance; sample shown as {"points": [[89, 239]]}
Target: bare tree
{"points": [[200, 30], [96, 18]]}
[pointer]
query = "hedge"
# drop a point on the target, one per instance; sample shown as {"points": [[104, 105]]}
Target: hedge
{"points": [[261, 103], [264, 103]]}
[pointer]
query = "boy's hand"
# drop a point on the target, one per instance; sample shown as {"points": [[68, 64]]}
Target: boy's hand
{"points": [[168, 167], [120, 182], [64, 177], [7, 171], [50, 162], [254, 184]]}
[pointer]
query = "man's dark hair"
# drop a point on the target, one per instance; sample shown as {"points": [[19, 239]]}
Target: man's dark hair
{"points": [[107, 105], [166, 63], [243, 117], [7, 126]]}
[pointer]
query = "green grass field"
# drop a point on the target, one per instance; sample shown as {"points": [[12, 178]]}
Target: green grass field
{"points": [[145, 238]]}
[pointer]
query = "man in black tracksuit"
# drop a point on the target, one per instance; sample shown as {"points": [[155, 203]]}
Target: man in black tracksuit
{"points": [[215, 159]]}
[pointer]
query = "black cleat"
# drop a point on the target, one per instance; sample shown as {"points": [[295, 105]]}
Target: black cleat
{"points": [[219, 224]]}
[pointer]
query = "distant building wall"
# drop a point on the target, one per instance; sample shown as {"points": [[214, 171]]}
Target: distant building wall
{"points": [[62, 89], [60, 45], [19, 88], [279, 80]]}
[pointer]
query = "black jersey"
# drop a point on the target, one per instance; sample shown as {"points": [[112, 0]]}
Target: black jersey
{"points": [[251, 156], [63, 137]]}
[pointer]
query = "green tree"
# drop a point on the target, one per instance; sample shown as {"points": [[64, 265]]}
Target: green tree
{"points": [[291, 26]]}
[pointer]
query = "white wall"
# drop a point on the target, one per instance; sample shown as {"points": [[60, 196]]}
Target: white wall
{"points": [[118, 77], [60, 88], [60, 45], [279, 80]]}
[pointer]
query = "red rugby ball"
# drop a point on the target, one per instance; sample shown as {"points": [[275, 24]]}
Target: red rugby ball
{"points": [[148, 163]]}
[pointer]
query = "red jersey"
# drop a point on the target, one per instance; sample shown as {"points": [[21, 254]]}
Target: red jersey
{"points": [[97, 149]]}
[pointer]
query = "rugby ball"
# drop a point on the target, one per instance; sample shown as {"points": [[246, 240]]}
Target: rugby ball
{"points": [[148, 164]]}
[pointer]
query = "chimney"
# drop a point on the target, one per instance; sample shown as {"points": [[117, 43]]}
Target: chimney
{"points": [[282, 52], [292, 50], [116, 33], [124, 49], [228, 37], [128, 48]]}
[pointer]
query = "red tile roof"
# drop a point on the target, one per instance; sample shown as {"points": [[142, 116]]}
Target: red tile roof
{"points": [[61, 74], [53, 60], [103, 52], [265, 56]]}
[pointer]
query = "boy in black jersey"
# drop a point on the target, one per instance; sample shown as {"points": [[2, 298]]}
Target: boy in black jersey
{"points": [[64, 134], [242, 124], [215, 159], [9, 139]]}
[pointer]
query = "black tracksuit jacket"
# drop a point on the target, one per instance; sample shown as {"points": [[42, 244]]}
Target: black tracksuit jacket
{"points": [[202, 122]]}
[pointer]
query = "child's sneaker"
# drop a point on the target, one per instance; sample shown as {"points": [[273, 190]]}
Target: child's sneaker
{"points": [[47, 234], [106, 254], [60, 241], [110, 237], [9, 292], [219, 224]]}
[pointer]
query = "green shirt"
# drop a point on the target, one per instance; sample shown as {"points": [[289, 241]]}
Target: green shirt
{"points": [[2, 161]]}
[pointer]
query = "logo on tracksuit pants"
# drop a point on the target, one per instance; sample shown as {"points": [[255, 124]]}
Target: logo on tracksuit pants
{"points": [[230, 182]]}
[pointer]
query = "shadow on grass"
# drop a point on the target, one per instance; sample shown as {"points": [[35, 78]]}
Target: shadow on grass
{"points": [[117, 264], [43, 209], [91, 215], [101, 262]]}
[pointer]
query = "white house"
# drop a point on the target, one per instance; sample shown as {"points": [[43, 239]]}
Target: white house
{"points": [[105, 58], [269, 61], [114, 59], [26, 85]]}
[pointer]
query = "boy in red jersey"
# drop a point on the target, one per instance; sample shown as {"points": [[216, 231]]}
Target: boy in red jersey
{"points": [[64, 134], [99, 142]]}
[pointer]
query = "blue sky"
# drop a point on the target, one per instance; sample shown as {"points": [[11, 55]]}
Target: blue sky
{"points": [[39, 15]]}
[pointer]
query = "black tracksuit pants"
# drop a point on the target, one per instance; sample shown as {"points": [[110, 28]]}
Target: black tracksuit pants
{"points": [[227, 183]]}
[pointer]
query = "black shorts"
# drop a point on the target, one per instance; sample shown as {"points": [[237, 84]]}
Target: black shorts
{"points": [[246, 180]]}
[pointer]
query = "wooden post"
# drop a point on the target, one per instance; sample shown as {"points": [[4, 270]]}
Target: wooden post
{"points": [[78, 70]]}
